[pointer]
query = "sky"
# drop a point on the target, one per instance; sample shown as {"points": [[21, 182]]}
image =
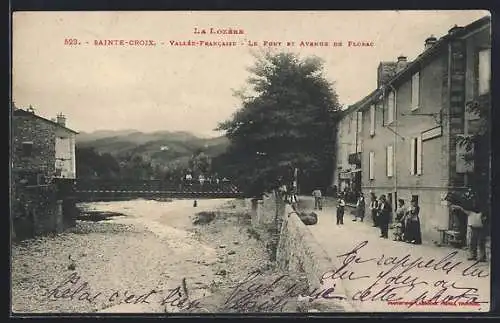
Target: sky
{"points": [[190, 88]]}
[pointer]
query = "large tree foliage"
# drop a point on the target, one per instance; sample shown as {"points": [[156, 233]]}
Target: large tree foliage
{"points": [[287, 122]]}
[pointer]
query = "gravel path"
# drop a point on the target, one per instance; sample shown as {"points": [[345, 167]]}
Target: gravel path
{"points": [[138, 262]]}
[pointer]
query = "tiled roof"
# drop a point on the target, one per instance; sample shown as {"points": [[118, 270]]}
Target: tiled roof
{"points": [[21, 112]]}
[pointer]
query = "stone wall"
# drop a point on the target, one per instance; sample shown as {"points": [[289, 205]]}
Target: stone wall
{"points": [[36, 207], [297, 250], [37, 212]]}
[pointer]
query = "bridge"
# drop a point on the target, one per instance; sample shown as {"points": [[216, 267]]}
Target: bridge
{"points": [[99, 190]]}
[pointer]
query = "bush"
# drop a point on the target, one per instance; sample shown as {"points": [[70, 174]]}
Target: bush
{"points": [[308, 218], [204, 217]]}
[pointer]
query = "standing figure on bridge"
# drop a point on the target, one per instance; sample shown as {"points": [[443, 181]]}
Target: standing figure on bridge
{"points": [[317, 199]]}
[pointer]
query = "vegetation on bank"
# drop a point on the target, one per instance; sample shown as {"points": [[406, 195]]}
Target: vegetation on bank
{"points": [[287, 121]]}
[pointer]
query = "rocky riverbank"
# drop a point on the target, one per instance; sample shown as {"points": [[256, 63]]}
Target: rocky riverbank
{"points": [[150, 257]]}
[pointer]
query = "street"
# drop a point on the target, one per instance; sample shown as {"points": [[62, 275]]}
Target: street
{"points": [[382, 275]]}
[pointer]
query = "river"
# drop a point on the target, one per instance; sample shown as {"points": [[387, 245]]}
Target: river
{"points": [[137, 259]]}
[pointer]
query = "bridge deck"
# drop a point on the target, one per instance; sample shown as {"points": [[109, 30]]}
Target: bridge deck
{"points": [[109, 195]]}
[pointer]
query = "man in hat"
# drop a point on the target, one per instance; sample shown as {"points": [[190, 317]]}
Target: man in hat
{"points": [[384, 217]]}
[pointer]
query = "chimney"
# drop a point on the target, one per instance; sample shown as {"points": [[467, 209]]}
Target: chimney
{"points": [[61, 119], [430, 41], [401, 64], [385, 71], [454, 29]]}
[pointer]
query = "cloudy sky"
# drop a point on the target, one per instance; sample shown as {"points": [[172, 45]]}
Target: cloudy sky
{"points": [[174, 88]]}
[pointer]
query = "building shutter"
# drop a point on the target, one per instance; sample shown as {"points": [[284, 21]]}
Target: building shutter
{"points": [[484, 71], [412, 156], [415, 89], [419, 155], [360, 122], [390, 159], [370, 165], [372, 120], [390, 108]]}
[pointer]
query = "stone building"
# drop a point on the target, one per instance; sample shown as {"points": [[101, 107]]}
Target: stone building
{"points": [[412, 120], [43, 173], [347, 178]]}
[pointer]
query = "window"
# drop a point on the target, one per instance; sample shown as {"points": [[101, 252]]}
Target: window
{"points": [[390, 161], [484, 71], [27, 148], [390, 108], [416, 156], [371, 172], [372, 120], [360, 121], [415, 91]]}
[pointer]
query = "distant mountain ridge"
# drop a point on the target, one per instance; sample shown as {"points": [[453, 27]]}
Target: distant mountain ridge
{"points": [[162, 148]]}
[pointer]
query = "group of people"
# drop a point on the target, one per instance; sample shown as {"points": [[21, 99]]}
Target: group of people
{"points": [[406, 222]]}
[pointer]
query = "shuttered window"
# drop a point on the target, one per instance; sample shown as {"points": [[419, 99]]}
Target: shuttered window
{"points": [[390, 108], [371, 161], [484, 71], [372, 120], [360, 121], [390, 161], [415, 91], [416, 156]]}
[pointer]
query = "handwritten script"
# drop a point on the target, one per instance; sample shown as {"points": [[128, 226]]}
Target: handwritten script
{"points": [[74, 288], [402, 280], [253, 294]]}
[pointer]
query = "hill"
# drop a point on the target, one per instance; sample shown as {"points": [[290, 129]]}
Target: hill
{"points": [[162, 148]]}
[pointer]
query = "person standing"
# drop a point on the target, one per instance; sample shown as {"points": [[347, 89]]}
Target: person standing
{"points": [[360, 208], [384, 217], [317, 199], [476, 222], [374, 209], [399, 226], [413, 233], [340, 210]]}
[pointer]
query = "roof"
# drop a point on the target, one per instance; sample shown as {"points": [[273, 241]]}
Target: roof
{"points": [[435, 49], [21, 112], [415, 64]]}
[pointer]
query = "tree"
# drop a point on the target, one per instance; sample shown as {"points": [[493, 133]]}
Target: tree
{"points": [[288, 122], [199, 163], [90, 163]]}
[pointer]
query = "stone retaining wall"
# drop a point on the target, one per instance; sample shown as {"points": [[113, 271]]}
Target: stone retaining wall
{"points": [[297, 250]]}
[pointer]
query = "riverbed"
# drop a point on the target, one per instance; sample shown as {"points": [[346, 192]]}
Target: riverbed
{"points": [[145, 256]]}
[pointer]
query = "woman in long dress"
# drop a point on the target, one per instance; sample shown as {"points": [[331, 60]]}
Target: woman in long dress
{"points": [[399, 226], [412, 230]]}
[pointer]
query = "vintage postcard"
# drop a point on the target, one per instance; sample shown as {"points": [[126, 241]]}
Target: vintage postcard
{"points": [[250, 161]]}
